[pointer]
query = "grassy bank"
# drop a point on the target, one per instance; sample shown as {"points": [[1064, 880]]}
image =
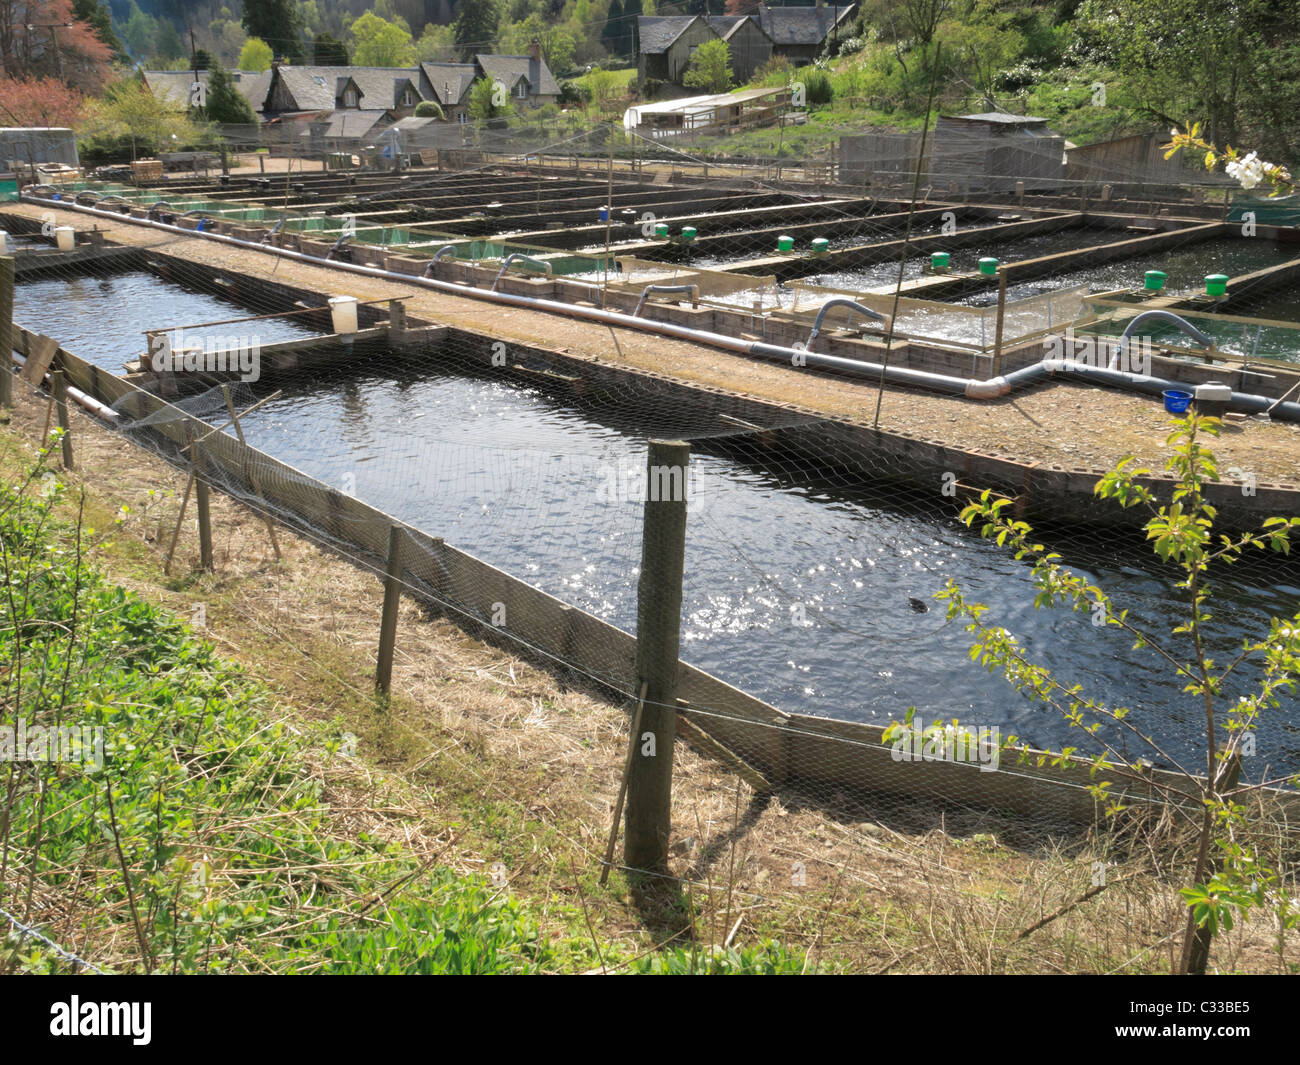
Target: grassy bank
{"points": [[274, 816]]}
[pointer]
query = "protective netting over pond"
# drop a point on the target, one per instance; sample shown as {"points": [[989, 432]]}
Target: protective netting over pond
{"points": [[514, 475]]}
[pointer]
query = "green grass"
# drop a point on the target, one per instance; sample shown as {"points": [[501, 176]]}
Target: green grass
{"points": [[208, 841], [204, 843]]}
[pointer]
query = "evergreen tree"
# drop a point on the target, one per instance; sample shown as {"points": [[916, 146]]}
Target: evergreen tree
{"points": [[201, 60], [167, 45], [225, 103], [612, 35], [276, 23], [632, 38], [328, 51], [96, 14], [476, 27]]}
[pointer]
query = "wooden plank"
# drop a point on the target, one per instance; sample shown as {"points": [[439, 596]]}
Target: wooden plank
{"points": [[40, 356]]}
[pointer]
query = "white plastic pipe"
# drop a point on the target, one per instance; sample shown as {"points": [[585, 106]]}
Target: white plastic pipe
{"points": [[75, 394], [971, 388]]}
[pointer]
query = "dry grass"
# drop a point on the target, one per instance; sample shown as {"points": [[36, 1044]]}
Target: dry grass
{"points": [[520, 766]]}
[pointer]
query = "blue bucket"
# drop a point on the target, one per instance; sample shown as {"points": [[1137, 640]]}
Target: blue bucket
{"points": [[1177, 402]]}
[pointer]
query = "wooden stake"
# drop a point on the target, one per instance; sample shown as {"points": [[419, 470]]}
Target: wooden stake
{"points": [[203, 500], [1002, 313], [239, 432], [180, 518], [60, 393], [622, 788], [6, 332], [388, 618]]}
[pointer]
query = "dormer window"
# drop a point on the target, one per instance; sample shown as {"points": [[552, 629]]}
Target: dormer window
{"points": [[521, 90], [408, 97], [350, 97]]}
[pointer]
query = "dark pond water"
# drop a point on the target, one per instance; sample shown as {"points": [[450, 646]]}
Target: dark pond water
{"points": [[798, 582]]}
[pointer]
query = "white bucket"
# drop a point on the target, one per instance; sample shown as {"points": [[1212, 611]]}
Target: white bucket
{"points": [[65, 238], [6, 245], [343, 313]]}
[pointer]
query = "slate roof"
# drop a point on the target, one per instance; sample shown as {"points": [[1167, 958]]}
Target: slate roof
{"points": [[317, 88], [508, 69], [353, 124], [725, 25], [801, 25], [441, 77], [173, 86], [658, 32]]}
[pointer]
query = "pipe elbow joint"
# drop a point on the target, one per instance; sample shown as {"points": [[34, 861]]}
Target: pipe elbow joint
{"points": [[993, 388]]}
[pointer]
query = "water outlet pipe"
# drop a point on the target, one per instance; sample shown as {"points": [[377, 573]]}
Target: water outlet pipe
{"points": [[1156, 316], [520, 257], [994, 388], [852, 305], [693, 290]]}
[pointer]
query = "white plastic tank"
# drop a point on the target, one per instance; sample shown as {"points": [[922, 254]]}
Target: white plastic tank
{"points": [[343, 313], [6, 245], [65, 238]]}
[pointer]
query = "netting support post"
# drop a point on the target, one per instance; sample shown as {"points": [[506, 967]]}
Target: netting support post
{"points": [[388, 618], [658, 645], [6, 331], [1002, 314], [60, 390], [203, 502], [396, 322]]}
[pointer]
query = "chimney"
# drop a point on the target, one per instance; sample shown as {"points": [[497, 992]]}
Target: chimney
{"points": [[535, 51]]}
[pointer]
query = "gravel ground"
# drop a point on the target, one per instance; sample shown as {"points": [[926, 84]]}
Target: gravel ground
{"points": [[1067, 424]]}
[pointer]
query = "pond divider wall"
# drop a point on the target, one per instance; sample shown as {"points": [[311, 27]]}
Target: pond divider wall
{"points": [[791, 751]]}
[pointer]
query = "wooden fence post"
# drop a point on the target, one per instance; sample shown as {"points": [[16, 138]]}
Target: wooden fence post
{"points": [[658, 632], [1002, 314], [60, 390], [6, 331], [388, 619], [203, 501]]}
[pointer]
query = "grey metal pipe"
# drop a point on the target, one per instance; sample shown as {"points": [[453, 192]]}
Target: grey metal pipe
{"points": [[853, 305], [428, 270], [519, 257], [270, 233], [993, 388], [343, 239], [694, 291], [1161, 316]]}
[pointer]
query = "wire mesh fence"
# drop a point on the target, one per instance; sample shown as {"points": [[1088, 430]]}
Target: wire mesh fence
{"points": [[514, 474]]}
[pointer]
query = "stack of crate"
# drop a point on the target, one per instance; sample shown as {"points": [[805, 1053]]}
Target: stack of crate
{"points": [[147, 170]]}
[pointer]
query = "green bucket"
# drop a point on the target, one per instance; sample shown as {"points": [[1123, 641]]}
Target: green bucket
{"points": [[988, 266], [784, 243], [939, 260], [1216, 285], [820, 246], [688, 234], [661, 230], [1155, 280]]}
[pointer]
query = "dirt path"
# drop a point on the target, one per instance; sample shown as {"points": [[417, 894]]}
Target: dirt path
{"points": [[1068, 424]]}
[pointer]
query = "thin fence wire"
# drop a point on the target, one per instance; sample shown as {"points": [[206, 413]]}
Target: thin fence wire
{"points": [[515, 473]]}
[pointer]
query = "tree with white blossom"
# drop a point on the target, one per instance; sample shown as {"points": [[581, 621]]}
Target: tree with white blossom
{"points": [[1249, 170]]}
